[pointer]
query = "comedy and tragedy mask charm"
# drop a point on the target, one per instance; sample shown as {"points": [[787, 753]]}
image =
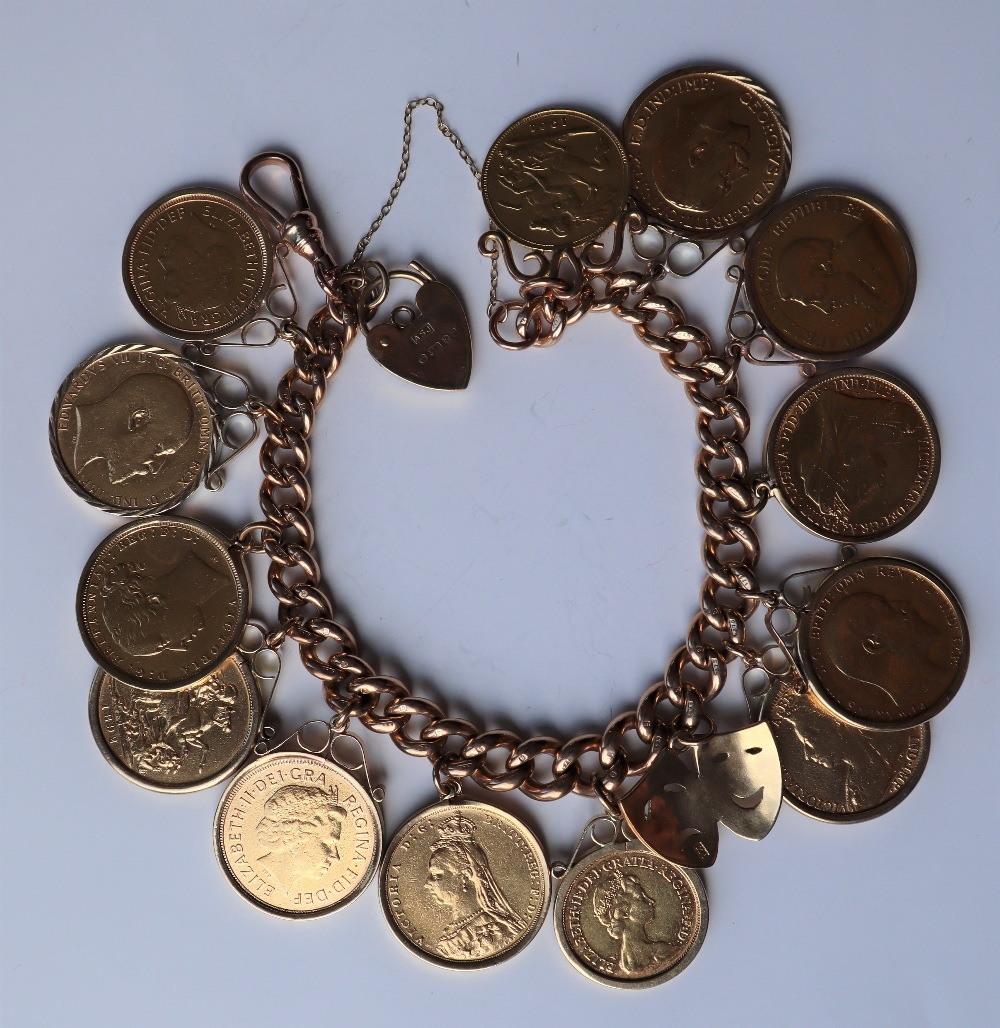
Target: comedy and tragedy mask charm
{"points": [[733, 778]]}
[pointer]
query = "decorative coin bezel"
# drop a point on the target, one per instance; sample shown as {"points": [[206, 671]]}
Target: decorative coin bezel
{"points": [[491, 811], [810, 674], [219, 776], [540, 242], [236, 567], [191, 384], [869, 813], [241, 210], [771, 454], [563, 890], [672, 215], [789, 345], [346, 779]]}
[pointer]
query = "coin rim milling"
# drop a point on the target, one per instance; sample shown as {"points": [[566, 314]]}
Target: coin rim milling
{"points": [[655, 209], [808, 669], [331, 768], [575, 240], [771, 453], [692, 877], [208, 456], [237, 569], [496, 813], [265, 248], [223, 773], [852, 817], [883, 211]]}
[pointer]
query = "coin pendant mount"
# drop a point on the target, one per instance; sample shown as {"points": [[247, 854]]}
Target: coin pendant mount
{"points": [[197, 264], [885, 644], [628, 918], [179, 740], [162, 602], [853, 455], [464, 884], [297, 836], [708, 151], [132, 430], [555, 179], [835, 771], [830, 275]]}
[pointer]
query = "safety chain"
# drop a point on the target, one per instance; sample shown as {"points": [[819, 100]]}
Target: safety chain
{"points": [[542, 767]]}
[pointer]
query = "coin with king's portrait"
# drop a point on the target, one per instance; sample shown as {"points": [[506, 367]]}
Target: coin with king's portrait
{"points": [[853, 455], [197, 264], [163, 602], [178, 740], [132, 430], [708, 151], [830, 275], [884, 643], [464, 884], [297, 836], [555, 179], [836, 771], [627, 917]]}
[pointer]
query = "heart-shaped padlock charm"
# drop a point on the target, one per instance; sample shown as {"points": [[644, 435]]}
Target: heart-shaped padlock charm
{"points": [[434, 347]]}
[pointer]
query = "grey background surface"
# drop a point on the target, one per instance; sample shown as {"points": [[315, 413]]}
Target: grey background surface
{"points": [[526, 552]]}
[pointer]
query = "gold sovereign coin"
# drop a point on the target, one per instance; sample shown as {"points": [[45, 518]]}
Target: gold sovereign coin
{"points": [[297, 836], [197, 264], [830, 275], [626, 917], [163, 602], [853, 455], [181, 740], [555, 179], [835, 771], [132, 430], [884, 643], [464, 884], [708, 150]]}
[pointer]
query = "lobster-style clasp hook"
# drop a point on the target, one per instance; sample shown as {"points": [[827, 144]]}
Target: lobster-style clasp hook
{"points": [[299, 230]]}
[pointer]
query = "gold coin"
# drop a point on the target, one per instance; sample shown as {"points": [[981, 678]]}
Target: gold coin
{"points": [[162, 602], [464, 884], [884, 643], [197, 264], [132, 430], [835, 771], [830, 275], [297, 836], [708, 150], [853, 455], [626, 917], [181, 740], [555, 179]]}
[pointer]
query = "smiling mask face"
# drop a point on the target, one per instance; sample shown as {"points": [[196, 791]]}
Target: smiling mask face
{"points": [[733, 778]]}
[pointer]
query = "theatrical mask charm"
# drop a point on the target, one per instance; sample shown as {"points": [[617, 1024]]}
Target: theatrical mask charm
{"points": [[733, 778]]}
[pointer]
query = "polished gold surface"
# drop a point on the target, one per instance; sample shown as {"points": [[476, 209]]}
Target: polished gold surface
{"points": [[734, 778], [830, 275], [297, 836], [626, 917], [162, 602], [197, 264], [853, 454], [884, 643], [708, 151], [430, 344], [181, 740], [835, 771], [464, 884], [555, 178], [132, 430]]}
